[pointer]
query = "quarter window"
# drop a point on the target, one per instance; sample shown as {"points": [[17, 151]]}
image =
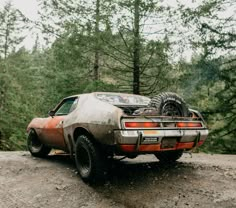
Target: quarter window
{"points": [[66, 107]]}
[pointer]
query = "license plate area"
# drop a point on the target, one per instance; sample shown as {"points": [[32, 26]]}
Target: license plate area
{"points": [[168, 142], [150, 140]]}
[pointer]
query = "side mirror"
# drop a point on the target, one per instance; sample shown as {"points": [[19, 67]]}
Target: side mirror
{"points": [[51, 113]]}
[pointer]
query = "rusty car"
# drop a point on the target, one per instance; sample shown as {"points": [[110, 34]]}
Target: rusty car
{"points": [[96, 126]]}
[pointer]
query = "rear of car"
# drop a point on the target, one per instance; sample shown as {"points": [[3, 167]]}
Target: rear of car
{"points": [[153, 133], [165, 125]]}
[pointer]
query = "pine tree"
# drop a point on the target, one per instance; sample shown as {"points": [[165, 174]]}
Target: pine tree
{"points": [[213, 23], [12, 24], [138, 61]]}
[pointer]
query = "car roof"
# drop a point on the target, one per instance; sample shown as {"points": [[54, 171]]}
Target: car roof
{"points": [[115, 93]]}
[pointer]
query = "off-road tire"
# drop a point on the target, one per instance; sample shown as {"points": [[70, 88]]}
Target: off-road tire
{"points": [[169, 104], [169, 156], [89, 159], [35, 146]]}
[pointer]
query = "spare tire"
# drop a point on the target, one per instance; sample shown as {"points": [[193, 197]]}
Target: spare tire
{"points": [[169, 104]]}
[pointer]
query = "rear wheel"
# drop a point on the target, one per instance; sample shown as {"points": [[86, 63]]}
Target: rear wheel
{"points": [[35, 146], [89, 159], [169, 156]]}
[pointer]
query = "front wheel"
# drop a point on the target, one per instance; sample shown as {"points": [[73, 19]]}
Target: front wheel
{"points": [[169, 156], [35, 146], [90, 161]]}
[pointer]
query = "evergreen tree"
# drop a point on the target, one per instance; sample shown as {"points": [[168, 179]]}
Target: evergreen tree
{"points": [[141, 65], [214, 34], [12, 24], [87, 18]]}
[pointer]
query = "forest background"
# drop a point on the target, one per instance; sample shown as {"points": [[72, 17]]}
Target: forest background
{"points": [[135, 46]]}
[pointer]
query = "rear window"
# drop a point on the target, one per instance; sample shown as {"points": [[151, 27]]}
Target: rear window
{"points": [[123, 99]]}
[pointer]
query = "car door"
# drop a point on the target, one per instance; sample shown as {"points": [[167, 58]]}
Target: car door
{"points": [[52, 131]]}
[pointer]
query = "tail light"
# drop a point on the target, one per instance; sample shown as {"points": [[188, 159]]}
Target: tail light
{"points": [[189, 125], [141, 125]]}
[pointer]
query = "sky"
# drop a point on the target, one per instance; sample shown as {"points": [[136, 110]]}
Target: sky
{"points": [[30, 9]]}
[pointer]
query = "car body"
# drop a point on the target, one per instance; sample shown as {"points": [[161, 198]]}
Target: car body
{"points": [[110, 122]]}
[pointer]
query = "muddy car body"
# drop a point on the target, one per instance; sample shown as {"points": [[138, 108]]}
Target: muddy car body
{"points": [[98, 125]]}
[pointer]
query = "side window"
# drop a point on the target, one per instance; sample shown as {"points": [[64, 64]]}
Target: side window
{"points": [[74, 105], [66, 107]]}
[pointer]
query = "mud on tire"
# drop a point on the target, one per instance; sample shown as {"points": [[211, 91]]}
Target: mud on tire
{"points": [[89, 159], [169, 104]]}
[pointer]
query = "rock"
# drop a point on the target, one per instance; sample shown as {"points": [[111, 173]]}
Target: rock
{"points": [[38, 196], [59, 200], [230, 174], [63, 187], [176, 199]]}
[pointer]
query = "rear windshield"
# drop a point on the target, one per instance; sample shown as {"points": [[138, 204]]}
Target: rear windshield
{"points": [[123, 99]]}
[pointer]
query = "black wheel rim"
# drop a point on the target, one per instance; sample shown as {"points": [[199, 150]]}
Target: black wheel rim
{"points": [[84, 161], [171, 109]]}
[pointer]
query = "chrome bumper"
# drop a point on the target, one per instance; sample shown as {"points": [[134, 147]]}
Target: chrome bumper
{"points": [[156, 136]]}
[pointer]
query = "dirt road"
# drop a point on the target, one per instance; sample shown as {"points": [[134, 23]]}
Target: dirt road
{"points": [[198, 181]]}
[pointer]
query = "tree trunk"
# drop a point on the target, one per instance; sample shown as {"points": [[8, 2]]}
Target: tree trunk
{"points": [[96, 56], [6, 42], [136, 51]]}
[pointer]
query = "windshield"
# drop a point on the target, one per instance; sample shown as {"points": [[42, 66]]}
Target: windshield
{"points": [[123, 99]]}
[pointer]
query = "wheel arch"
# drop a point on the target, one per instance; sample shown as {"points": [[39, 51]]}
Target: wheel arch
{"points": [[31, 129], [35, 130], [82, 131]]}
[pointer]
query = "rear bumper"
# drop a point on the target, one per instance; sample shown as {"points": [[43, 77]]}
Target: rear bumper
{"points": [[152, 140], [149, 148]]}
